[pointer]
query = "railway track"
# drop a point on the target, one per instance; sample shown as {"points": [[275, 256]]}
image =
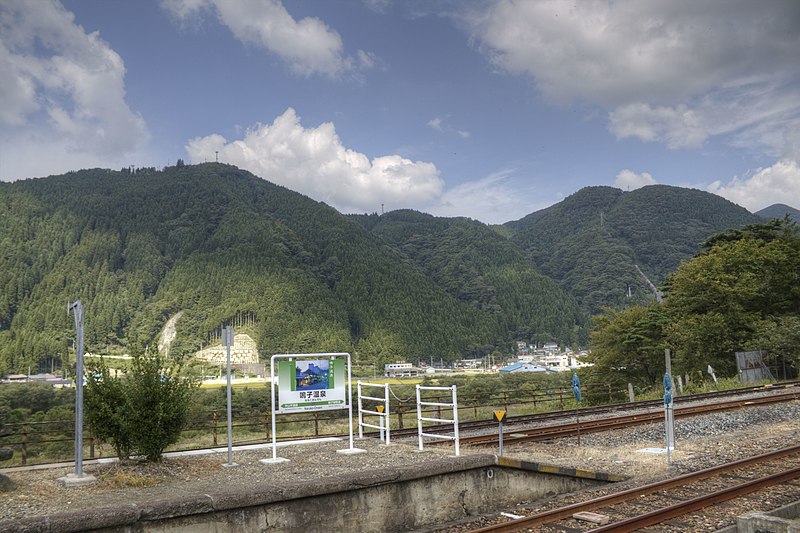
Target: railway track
{"points": [[537, 418], [618, 422], [655, 503]]}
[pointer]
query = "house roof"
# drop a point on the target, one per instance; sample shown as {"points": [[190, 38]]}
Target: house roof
{"points": [[524, 367]]}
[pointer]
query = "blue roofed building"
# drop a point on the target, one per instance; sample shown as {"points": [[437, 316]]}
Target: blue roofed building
{"points": [[523, 367]]}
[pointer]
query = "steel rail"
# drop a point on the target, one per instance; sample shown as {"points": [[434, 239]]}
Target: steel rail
{"points": [[695, 504], [618, 422], [610, 499]]}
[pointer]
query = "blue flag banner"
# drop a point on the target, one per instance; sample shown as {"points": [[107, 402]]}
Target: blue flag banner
{"points": [[667, 390], [576, 387]]}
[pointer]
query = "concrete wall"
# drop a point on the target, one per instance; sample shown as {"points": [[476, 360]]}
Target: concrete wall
{"points": [[384, 500]]}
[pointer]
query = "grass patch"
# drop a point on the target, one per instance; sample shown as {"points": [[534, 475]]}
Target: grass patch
{"points": [[125, 474]]}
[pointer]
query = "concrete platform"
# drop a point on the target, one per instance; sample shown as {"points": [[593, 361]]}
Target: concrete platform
{"points": [[388, 499]]}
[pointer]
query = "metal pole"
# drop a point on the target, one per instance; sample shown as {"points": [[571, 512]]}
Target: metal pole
{"points": [[666, 425], [419, 419], [668, 361], [349, 401], [77, 309], [227, 335], [360, 415], [272, 398], [500, 437], [388, 416], [455, 418]]}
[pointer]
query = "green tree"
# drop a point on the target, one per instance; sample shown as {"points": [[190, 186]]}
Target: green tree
{"points": [[381, 347], [106, 407], [742, 291], [141, 412], [627, 346]]}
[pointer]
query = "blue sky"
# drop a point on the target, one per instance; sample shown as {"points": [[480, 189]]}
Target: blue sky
{"points": [[477, 108]]}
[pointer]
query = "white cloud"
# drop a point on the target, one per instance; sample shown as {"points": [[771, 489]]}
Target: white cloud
{"points": [[313, 161], [678, 126], [435, 123], [441, 125], [62, 101], [672, 72], [492, 200], [378, 6], [777, 184], [630, 180], [616, 52], [307, 45]]}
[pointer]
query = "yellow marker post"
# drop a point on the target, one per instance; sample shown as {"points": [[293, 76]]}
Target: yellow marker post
{"points": [[500, 415], [380, 409]]}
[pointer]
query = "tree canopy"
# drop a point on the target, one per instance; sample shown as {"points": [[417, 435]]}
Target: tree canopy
{"points": [[741, 292]]}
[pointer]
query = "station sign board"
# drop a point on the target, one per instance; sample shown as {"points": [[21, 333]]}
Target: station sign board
{"points": [[306, 384]]}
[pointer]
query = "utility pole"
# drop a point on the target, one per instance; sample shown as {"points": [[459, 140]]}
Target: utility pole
{"points": [[77, 309], [78, 478]]}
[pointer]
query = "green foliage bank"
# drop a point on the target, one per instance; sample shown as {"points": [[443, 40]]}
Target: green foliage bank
{"points": [[740, 293]]}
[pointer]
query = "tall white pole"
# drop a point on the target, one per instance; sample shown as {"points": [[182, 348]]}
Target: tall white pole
{"points": [[388, 416], [350, 401], [77, 309], [360, 415], [272, 398], [455, 420], [227, 337]]}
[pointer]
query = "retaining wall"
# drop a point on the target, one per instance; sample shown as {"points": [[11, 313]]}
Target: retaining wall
{"points": [[392, 499]]}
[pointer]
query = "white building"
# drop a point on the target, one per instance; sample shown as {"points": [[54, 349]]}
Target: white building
{"points": [[394, 370]]}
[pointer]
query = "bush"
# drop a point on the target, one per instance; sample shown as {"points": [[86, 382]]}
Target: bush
{"points": [[141, 412]]}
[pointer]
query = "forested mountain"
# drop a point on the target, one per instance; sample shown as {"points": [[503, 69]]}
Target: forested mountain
{"points": [[476, 265], [219, 245], [779, 211], [215, 243], [593, 240]]}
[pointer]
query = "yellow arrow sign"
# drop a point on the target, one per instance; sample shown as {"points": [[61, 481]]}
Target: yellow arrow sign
{"points": [[380, 408], [499, 415]]}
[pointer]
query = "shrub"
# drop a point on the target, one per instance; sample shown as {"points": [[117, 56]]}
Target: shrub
{"points": [[143, 411]]}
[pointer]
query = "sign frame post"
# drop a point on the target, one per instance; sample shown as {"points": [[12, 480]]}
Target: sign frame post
{"points": [[500, 416], [347, 399]]}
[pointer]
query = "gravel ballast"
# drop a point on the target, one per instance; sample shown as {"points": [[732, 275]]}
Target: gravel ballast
{"points": [[701, 441]]}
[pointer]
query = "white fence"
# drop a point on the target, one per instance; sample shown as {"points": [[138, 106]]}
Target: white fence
{"points": [[381, 411], [420, 419]]}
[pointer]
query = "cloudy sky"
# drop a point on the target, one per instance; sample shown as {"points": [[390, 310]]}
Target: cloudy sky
{"points": [[478, 108]]}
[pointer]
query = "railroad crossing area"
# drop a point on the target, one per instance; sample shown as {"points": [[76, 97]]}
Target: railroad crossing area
{"points": [[740, 453]]}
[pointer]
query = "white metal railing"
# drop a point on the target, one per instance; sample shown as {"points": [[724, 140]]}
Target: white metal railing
{"points": [[420, 419], [381, 411]]}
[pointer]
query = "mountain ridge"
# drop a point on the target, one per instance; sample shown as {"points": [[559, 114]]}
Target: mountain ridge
{"points": [[220, 245], [603, 233]]}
